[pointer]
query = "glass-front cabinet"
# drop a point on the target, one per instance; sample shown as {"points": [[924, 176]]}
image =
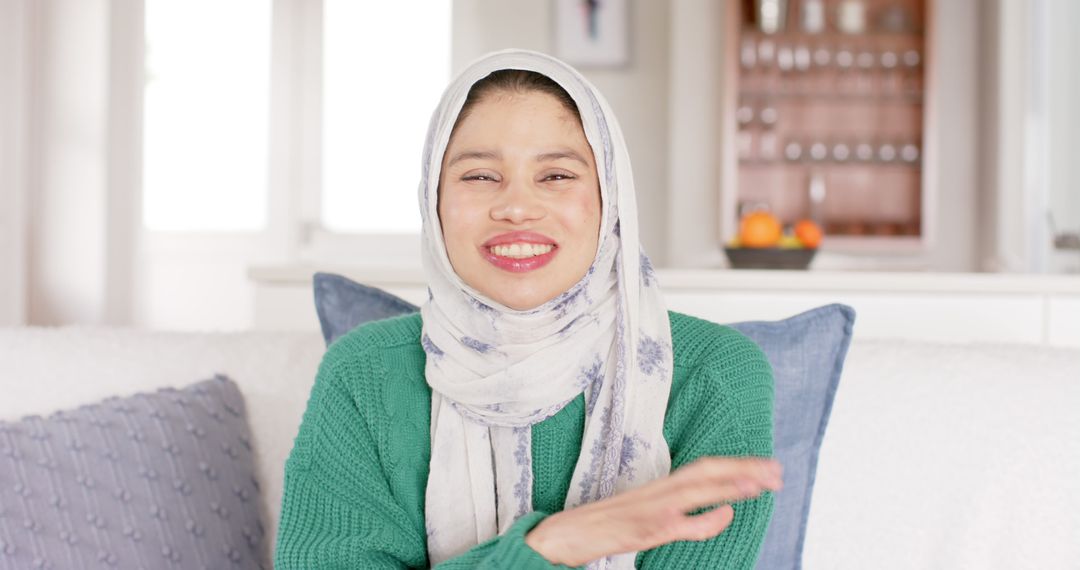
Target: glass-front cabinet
{"points": [[828, 101]]}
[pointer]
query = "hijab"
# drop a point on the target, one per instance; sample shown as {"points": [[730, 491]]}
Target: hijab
{"points": [[495, 371]]}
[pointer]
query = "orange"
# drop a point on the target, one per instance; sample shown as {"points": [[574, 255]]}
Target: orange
{"points": [[760, 229], [809, 233]]}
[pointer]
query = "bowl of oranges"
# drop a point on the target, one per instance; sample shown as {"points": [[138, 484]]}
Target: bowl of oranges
{"points": [[763, 243]]}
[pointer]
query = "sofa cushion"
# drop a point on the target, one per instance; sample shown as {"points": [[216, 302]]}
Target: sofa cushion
{"points": [[154, 480], [806, 352], [342, 304]]}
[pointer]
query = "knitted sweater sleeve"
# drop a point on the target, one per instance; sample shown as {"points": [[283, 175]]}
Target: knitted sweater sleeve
{"points": [[338, 511], [725, 408]]}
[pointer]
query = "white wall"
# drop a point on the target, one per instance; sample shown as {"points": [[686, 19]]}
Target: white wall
{"points": [[72, 187], [958, 98], [1063, 136], [638, 93], [1031, 148], [67, 165], [695, 93], [13, 129]]}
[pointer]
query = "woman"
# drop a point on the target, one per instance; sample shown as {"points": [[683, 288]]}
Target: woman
{"points": [[531, 415]]}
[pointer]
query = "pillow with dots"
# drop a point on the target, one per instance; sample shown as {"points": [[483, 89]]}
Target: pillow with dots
{"points": [[154, 480]]}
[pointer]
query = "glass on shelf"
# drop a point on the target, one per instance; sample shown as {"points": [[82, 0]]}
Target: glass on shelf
{"points": [[768, 142], [913, 79], [851, 16], [771, 15], [886, 152], [864, 152], [748, 54], [892, 80], [813, 16], [909, 153], [793, 151], [841, 152], [744, 139]]}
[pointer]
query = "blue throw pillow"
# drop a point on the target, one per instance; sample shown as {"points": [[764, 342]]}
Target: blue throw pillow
{"points": [[807, 355], [343, 304]]}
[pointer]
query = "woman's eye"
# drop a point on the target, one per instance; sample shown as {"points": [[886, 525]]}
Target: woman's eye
{"points": [[558, 177], [479, 178]]}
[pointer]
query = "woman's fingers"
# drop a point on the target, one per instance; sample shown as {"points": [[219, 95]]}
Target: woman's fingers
{"points": [[705, 525], [655, 513], [712, 480]]}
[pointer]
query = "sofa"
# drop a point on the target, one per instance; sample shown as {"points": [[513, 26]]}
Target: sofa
{"points": [[937, 455]]}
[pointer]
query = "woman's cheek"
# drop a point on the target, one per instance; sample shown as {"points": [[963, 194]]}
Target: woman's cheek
{"points": [[587, 211]]}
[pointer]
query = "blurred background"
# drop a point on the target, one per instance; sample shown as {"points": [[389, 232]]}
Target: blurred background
{"points": [[165, 164]]}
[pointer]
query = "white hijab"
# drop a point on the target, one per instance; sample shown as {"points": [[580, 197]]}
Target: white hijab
{"points": [[495, 371]]}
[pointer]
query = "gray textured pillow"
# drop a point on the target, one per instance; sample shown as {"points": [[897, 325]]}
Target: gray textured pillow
{"points": [[158, 480]]}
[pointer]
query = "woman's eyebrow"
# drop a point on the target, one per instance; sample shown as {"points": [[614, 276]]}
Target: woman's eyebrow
{"points": [[549, 156], [493, 155], [474, 154]]}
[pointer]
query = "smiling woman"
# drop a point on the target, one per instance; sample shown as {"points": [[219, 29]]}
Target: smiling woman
{"points": [[519, 198], [531, 414]]}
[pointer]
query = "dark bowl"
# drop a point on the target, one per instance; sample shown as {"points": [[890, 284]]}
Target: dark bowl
{"points": [[769, 257]]}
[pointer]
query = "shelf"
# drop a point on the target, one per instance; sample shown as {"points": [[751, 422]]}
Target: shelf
{"points": [[763, 164], [873, 244], [845, 97], [868, 206], [831, 36]]}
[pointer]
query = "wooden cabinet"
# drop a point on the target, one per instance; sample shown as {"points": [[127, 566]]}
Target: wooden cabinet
{"points": [[827, 114]]}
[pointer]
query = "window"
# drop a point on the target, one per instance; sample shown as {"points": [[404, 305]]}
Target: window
{"points": [[385, 65], [351, 161], [206, 110]]}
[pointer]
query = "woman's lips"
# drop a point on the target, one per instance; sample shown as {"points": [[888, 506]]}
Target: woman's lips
{"points": [[518, 265], [519, 237]]}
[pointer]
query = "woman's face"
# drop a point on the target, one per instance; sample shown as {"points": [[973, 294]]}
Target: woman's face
{"points": [[519, 199]]}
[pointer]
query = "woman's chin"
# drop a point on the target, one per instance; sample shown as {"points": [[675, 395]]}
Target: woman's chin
{"points": [[519, 298], [523, 302]]}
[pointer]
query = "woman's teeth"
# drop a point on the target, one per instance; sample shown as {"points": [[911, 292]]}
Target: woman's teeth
{"points": [[521, 250]]}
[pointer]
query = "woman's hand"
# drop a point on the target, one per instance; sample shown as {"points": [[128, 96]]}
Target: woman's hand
{"points": [[656, 513]]}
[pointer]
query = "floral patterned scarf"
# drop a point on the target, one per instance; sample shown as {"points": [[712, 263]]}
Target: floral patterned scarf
{"points": [[495, 371]]}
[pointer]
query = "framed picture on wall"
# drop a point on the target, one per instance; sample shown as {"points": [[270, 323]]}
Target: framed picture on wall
{"points": [[592, 33]]}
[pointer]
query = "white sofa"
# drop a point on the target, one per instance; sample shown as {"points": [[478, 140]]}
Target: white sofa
{"points": [[937, 455]]}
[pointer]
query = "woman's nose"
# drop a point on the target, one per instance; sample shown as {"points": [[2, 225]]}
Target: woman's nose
{"points": [[517, 204]]}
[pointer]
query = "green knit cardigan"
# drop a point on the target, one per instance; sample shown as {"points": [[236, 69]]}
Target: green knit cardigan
{"points": [[356, 476]]}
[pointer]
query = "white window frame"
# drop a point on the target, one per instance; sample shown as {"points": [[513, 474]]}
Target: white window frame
{"points": [[294, 233], [316, 244]]}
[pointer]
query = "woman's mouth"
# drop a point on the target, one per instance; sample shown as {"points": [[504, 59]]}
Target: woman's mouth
{"points": [[519, 257]]}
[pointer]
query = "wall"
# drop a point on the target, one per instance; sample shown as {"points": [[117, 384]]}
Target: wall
{"points": [[1030, 125], [637, 93], [695, 91], [1063, 135], [13, 129], [956, 79], [67, 161]]}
